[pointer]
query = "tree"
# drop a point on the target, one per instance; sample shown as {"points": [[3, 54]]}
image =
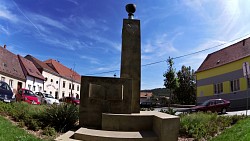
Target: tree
{"points": [[186, 91], [170, 81]]}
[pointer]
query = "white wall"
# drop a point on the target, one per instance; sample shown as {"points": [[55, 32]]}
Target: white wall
{"points": [[14, 82], [51, 85], [34, 84], [66, 90]]}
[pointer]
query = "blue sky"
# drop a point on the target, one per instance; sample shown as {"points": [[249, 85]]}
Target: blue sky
{"points": [[86, 34]]}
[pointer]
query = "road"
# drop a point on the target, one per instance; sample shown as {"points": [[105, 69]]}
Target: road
{"points": [[243, 112]]}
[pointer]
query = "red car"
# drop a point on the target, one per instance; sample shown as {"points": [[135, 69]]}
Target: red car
{"points": [[213, 105], [27, 96], [71, 100]]}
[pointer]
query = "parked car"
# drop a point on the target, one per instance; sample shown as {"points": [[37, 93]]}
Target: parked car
{"points": [[27, 96], [6, 94], [213, 105], [47, 98], [71, 100], [146, 104]]}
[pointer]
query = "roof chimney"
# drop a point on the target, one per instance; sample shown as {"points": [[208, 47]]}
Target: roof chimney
{"points": [[4, 46]]}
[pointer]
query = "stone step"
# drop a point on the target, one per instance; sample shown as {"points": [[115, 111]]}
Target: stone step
{"points": [[102, 135]]}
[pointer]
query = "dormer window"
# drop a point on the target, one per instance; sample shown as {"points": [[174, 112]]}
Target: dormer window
{"points": [[4, 64], [218, 62]]}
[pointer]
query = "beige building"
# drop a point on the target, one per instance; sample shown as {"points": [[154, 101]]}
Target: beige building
{"points": [[10, 69]]}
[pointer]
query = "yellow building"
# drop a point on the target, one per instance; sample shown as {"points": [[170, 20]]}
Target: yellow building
{"points": [[221, 75]]}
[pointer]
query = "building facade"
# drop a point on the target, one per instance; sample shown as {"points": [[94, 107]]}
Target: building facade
{"points": [[51, 78], [221, 75], [34, 79], [70, 80], [10, 70]]}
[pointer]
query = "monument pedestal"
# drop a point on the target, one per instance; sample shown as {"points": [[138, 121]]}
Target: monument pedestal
{"points": [[113, 104], [143, 126]]}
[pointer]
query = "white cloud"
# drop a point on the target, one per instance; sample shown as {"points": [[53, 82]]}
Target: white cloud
{"points": [[73, 1], [5, 13], [90, 59], [4, 30]]}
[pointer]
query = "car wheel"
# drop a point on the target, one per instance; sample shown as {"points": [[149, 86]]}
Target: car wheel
{"points": [[224, 111]]}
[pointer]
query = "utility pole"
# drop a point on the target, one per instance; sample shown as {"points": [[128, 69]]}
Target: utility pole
{"points": [[72, 79], [246, 73]]}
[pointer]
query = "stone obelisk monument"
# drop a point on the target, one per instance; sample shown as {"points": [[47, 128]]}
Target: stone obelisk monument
{"points": [[131, 55]]}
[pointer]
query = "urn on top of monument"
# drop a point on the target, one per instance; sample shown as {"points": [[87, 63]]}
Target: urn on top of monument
{"points": [[130, 8]]}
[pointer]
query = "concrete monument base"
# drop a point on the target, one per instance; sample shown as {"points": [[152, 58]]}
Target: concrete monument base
{"points": [[143, 126]]}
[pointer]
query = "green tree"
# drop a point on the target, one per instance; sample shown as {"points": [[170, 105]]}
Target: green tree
{"points": [[186, 91], [170, 81]]}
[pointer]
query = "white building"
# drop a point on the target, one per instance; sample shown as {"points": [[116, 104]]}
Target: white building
{"points": [[10, 70], [59, 81], [70, 80], [34, 79], [51, 77]]}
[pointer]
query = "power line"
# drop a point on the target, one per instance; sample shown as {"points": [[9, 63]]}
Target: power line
{"points": [[157, 62]]}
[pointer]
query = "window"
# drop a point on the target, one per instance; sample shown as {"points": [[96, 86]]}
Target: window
{"points": [[69, 85], [56, 95], [29, 86], [77, 87], [34, 88], [51, 80], [3, 79], [56, 82], [63, 94], [235, 85], [248, 82], [40, 89], [11, 83], [218, 88], [63, 84], [50, 92], [73, 86]]}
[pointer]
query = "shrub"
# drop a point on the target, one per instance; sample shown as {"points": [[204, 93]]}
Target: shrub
{"points": [[49, 131], [32, 124], [61, 117], [21, 124], [170, 111], [205, 125]]}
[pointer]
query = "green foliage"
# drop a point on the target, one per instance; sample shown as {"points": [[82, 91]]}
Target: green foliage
{"points": [[21, 124], [240, 131], [9, 132], [49, 131], [205, 125], [170, 81], [61, 117], [170, 111], [185, 93]]}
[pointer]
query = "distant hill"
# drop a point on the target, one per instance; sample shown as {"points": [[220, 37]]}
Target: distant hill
{"points": [[158, 91]]}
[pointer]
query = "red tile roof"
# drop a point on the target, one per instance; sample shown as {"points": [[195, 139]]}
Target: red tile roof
{"points": [[40, 65], [29, 68], [9, 65], [226, 55], [146, 94], [63, 70]]}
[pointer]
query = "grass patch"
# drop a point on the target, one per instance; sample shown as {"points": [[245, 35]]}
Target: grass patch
{"points": [[239, 132], [205, 125], [9, 132]]}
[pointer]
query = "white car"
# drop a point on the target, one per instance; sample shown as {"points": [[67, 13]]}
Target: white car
{"points": [[47, 98]]}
